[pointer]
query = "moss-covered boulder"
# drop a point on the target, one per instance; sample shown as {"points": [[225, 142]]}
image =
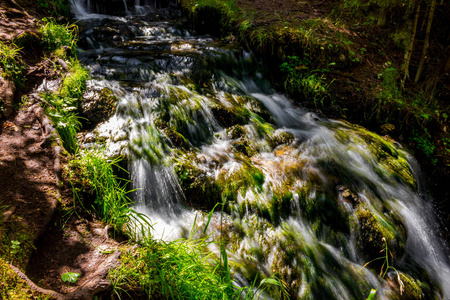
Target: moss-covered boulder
{"points": [[281, 138], [97, 106], [373, 232]]}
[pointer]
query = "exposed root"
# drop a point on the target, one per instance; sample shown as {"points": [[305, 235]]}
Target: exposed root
{"points": [[33, 286]]}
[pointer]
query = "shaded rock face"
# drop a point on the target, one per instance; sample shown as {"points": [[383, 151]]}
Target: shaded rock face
{"points": [[7, 91], [98, 106]]}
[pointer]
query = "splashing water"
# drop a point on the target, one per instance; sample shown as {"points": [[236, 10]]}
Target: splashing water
{"points": [[307, 199]]}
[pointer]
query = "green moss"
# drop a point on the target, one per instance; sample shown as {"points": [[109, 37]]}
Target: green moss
{"points": [[235, 132], [74, 83], [411, 288], [371, 230], [14, 287], [16, 244], [281, 138], [201, 191], [29, 40]]}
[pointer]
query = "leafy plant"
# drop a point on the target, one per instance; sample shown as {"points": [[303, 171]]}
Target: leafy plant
{"points": [[55, 36], [70, 277], [424, 144], [12, 63], [62, 106]]}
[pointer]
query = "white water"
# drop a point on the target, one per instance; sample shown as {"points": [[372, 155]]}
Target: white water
{"points": [[155, 85]]}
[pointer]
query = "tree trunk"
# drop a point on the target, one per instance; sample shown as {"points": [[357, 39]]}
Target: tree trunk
{"points": [[409, 50], [425, 43]]}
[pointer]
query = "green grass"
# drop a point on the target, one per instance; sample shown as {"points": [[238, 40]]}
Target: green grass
{"points": [[183, 269], [11, 64], [54, 36], [95, 174]]}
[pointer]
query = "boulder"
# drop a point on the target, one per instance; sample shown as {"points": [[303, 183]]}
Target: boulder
{"points": [[97, 106]]}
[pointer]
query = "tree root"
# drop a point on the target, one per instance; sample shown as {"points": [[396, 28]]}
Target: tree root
{"points": [[33, 286]]}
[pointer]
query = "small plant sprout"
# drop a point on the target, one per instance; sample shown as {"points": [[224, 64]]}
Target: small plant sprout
{"points": [[384, 269], [70, 277]]}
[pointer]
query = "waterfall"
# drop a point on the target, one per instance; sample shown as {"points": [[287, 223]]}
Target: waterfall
{"points": [[309, 199]]}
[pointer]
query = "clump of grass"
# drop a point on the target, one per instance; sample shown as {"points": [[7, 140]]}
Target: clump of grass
{"points": [[174, 270], [12, 64], [304, 82], [95, 173], [54, 36]]}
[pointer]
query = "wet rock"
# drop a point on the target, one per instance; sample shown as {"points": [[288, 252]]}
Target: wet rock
{"points": [[228, 117], [236, 132], [371, 233], [281, 138], [98, 106], [242, 146], [201, 191], [177, 140], [348, 196]]}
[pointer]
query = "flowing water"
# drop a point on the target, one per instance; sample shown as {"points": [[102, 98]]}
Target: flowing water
{"points": [[308, 199]]}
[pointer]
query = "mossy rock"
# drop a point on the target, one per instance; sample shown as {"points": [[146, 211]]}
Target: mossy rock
{"points": [[235, 132], [243, 146], [281, 138], [201, 191], [98, 106], [229, 117], [371, 233], [411, 289], [177, 139]]}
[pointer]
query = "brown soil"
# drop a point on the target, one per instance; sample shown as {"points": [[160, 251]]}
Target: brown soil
{"points": [[30, 189]]}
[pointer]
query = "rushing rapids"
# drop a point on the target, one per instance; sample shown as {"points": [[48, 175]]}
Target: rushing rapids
{"points": [[306, 199]]}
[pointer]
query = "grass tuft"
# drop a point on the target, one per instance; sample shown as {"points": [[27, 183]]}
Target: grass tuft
{"points": [[11, 64]]}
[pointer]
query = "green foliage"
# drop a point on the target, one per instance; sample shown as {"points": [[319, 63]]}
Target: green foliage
{"points": [[62, 106], [304, 82], [424, 144], [14, 287], [389, 77], [11, 64], [95, 173], [62, 112], [55, 36], [183, 269], [74, 82], [70, 277], [384, 269], [55, 7]]}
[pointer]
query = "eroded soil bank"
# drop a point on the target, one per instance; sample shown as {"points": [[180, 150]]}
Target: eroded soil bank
{"points": [[40, 237]]}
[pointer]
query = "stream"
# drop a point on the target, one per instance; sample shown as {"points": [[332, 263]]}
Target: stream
{"points": [[308, 199]]}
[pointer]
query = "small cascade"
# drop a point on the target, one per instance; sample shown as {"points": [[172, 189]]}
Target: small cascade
{"points": [[308, 199]]}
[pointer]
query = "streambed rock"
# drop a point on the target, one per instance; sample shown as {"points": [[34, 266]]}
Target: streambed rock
{"points": [[98, 106]]}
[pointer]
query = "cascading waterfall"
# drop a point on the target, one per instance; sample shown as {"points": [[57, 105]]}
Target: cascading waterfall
{"points": [[309, 200]]}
